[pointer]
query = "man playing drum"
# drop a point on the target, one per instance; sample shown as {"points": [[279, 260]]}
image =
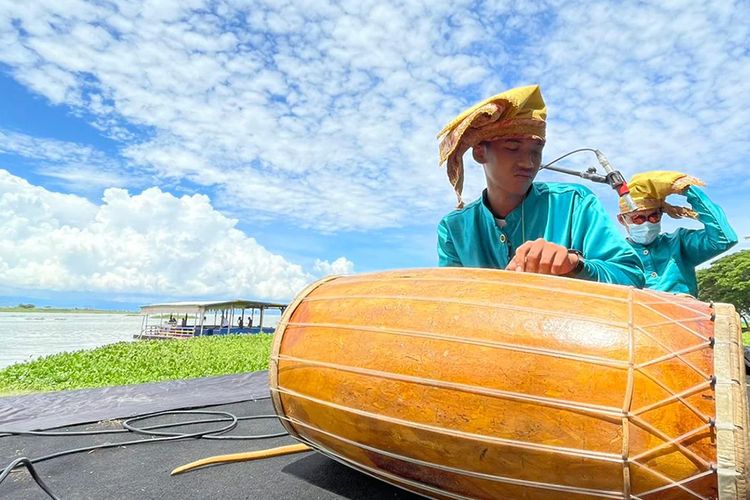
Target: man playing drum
{"points": [[517, 224], [669, 260]]}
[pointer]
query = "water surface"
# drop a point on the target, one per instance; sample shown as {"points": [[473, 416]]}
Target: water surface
{"points": [[29, 335]]}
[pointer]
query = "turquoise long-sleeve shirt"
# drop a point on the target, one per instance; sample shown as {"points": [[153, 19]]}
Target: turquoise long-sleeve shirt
{"points": [[669, 261], [567, 214]]}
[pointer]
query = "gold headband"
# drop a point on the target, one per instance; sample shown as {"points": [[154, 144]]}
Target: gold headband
{"points": [[518, 113]]}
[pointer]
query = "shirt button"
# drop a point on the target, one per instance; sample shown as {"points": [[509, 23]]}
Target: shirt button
{"points": [[653, 274], [645, 251], [502, 238]]}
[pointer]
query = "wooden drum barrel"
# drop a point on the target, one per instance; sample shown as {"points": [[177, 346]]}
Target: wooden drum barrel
{"points": [[478, 383]]}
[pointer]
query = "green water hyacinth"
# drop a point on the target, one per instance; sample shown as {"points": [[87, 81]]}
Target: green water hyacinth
{"points": [[139, 362]]}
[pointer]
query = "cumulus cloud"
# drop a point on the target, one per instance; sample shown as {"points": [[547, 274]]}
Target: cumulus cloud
{"points": [[152, 243], [342, 265], [323, 112]]}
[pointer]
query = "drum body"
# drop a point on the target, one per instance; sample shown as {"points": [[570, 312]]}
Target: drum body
{"points": [[477, 383]]}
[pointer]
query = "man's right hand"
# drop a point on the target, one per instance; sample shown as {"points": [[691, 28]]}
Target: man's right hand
{"points": [[542, 257]]}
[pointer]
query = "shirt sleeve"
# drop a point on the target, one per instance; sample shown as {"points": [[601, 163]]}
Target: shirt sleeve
{"points": [[717, 236], [447, 255], [607, 257]]}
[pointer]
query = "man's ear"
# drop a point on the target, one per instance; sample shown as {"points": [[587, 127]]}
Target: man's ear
{"points": [[621, 220], [479, 153]]}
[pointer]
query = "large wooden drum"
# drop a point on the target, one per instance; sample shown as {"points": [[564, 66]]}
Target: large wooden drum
{"points": [[477, 383]]}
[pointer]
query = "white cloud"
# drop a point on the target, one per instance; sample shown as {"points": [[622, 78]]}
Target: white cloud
{"points": [[326, 98], [654, 85], [342, 265], [76, 166], [324, 112], [151, 243]]}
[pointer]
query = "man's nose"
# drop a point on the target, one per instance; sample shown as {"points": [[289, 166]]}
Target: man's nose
{"points": [[525, 161]]}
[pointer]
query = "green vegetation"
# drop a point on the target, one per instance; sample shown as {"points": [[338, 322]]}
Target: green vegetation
{"points": [[139, 362], [31, 308], [728, 280], [746, 337]]}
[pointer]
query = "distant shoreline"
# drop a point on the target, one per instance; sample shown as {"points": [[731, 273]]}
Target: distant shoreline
{"points": [[61, 310]]}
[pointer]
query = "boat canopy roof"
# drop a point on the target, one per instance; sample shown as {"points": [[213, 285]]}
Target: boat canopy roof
{"points": [[200, 307]]}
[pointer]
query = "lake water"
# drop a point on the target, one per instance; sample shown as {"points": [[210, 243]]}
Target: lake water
{"points": [[25, 336]]}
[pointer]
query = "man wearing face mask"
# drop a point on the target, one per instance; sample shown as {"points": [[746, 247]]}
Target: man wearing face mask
{"points": [[669, 260], [517, 224]]}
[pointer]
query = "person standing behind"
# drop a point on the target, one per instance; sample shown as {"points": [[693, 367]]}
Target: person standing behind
{"points": [[669, 259]]}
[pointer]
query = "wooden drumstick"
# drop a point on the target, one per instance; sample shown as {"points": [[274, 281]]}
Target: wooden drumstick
{"points": [[243, 457]]}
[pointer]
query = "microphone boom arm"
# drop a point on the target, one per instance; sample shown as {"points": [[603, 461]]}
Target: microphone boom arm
{"points": [[614, 178]]}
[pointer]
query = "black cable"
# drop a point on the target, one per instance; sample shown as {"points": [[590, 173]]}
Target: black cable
{"points": [[566, 155], [128, 426], [148, 431], [120, 431], [27, 463], [257, 436], [226, 428]]}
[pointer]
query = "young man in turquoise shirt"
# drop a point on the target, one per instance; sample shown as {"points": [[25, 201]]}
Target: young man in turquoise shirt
{"points": [[669, 260], [519, 225]]}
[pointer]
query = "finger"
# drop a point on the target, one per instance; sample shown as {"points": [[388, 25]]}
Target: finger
{"points": [[532, 257], [549, 253], [511, 265], [520, 257], [561, 264]]}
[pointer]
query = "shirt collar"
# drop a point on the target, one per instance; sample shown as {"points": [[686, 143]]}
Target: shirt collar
{"points": [[515, 215]]}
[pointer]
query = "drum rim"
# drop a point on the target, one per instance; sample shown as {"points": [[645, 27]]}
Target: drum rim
{"points": [[273, 364], [732, 423]]}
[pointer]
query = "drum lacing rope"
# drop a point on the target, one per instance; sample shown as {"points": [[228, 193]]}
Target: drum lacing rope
{"points": [[455, 470], [680, 484], [567, 451], [672, 321], [514, 286], [634, 419], [492, 305], [674, 300], [594, 455], [584, 358], [677, 397], [672, 442], [492, 477], [707, 342], [599, 410], [628, 401]]}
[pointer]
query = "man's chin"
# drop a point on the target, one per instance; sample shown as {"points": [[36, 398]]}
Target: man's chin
{"points": [[522, 185]]}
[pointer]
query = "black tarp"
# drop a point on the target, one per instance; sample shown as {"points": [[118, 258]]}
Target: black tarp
{"points": [[142, 472], [56, 409]]}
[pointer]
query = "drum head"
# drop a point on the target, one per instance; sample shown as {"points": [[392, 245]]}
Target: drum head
{"points": [[731, 405]]}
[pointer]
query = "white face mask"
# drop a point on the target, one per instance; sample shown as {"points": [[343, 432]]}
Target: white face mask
{"points": [[645, 233]]}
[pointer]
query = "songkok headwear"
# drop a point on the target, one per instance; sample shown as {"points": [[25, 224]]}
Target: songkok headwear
{"points": [[650, 189], [516, 113]]}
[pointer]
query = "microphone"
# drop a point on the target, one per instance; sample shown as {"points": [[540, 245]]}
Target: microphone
{"points": [[616, 180]]}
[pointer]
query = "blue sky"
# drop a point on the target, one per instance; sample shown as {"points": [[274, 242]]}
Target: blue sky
{"points": [[178, 149]]}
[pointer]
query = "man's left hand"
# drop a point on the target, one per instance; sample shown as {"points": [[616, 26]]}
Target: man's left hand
{"points": [[541, 256]]}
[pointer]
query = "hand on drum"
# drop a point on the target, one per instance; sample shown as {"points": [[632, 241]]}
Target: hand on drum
{"points": [[543, 257]]}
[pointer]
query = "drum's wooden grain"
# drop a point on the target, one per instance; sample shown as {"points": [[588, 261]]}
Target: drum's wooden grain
{"points": [[475, 383]]}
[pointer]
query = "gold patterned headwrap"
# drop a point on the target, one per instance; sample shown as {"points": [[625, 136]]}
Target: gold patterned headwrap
{"points": [[650, 189], [519, 113]]}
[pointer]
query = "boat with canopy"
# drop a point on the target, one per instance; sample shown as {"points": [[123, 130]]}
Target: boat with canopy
{"points": [[177, 320]]}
